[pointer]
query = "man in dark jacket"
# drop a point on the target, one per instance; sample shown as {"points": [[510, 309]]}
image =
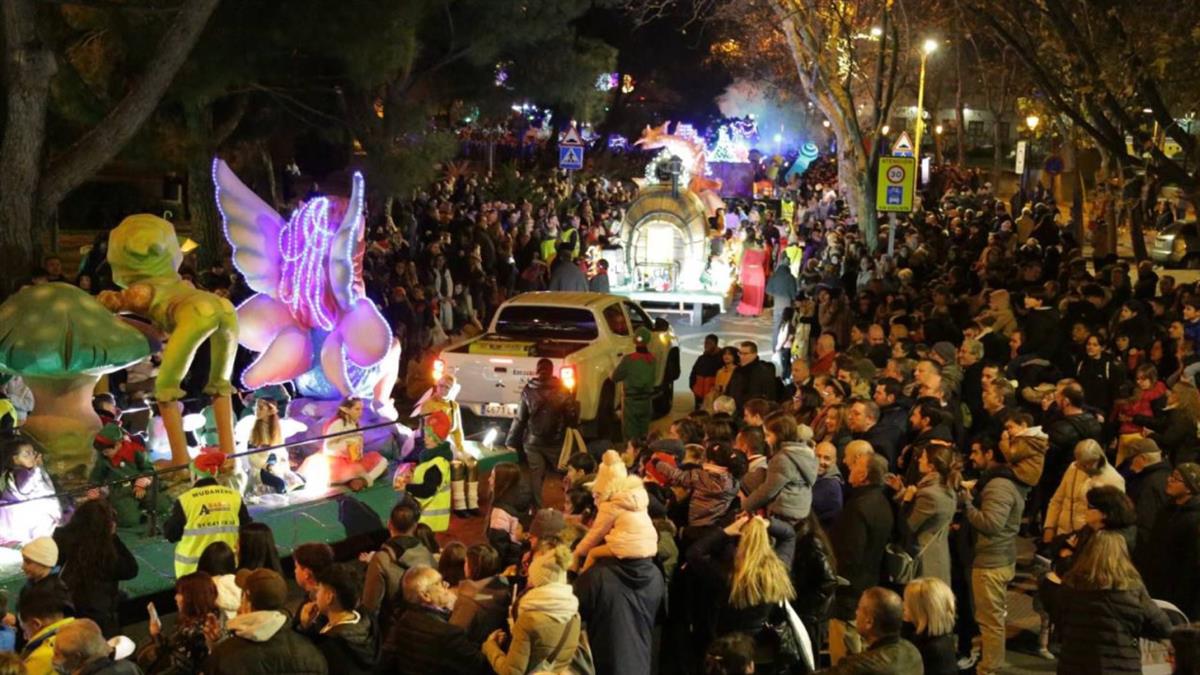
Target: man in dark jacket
{"points": [[1076, 424], [566, 275], [893, 407], [880, 616], [261, 642], [864, 423], [754, 378], [1043, 327], [345, 637], [619, 601], [423, 641], [704, 372], [542, 421], [1147, 489], [859, 537], [1172, 563]]}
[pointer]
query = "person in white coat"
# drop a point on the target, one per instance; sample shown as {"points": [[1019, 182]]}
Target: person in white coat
{"points": [[1067, 512]]}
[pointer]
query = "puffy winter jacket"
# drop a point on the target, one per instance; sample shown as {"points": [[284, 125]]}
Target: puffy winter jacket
{"points": [[262, 643], [623, 522], [713, 490], [542, 416], [1099, 629], [1065, 434], [1067, 511], [787, 490], [1026, 454], [349, 647]]}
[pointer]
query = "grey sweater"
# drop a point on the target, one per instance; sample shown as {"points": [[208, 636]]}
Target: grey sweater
{"points": [[997, 520], [787, 490]]}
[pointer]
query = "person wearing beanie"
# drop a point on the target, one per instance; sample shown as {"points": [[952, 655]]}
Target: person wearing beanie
{"points": [[207, 513], [622, 517], [39, 564], [548, 625], [638, 371], [121, 456], [1147, 489], [260, 641], [1171, 566]]}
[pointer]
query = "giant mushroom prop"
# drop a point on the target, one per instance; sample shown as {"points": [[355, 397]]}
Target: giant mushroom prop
{"points": [[60, 340]]}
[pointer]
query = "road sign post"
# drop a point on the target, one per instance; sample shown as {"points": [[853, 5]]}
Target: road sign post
{"points": [[570, 157], [894, 187]]}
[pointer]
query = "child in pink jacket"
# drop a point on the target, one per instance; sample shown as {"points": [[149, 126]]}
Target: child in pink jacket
{"points": [[622, 520]]}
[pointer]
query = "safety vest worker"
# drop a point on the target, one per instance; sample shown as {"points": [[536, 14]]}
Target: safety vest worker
{"points": [[430, 486], [205, 514]]}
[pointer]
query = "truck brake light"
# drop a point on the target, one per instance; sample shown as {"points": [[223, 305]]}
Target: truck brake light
{"points": [[567, 375], [439, 369]]}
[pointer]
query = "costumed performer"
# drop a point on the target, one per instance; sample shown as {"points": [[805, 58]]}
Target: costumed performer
{"points": [[341, 457], [269, 471], [441, 429], [23, 516], [123, 456]]}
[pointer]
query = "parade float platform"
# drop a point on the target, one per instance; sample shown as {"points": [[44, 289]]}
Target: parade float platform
{"points": [[331, 516], [688, 303]]}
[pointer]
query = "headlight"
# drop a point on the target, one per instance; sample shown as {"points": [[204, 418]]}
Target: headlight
{"points": [[1179, 246]]}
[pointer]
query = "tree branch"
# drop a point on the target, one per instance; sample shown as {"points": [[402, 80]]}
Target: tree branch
{"points": [[99, 145]]}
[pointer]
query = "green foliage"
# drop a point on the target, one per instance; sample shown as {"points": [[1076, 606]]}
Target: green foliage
{"points": [[563, 75]]}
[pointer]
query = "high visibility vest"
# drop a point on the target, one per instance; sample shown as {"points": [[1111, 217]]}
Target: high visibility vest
{"points": [[212, 515], [8, 415], [435, 510]]}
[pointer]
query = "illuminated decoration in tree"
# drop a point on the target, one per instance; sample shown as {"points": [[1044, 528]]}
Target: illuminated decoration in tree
{"points": [[627, 84], [727, 149], [617, 142], [309, 320], [687, 131], [608, 81], [502, 75], [653, 170]]}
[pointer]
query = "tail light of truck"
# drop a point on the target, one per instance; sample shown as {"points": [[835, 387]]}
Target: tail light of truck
{"points": [[439, 369], [567, 375]]}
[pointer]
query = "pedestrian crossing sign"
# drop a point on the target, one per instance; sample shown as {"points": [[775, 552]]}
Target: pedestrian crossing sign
{"points": [[570, 157]]}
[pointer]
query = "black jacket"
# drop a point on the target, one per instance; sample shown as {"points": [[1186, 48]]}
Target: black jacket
{"points": [[1172, 561], [754, 380], [814, 578], [859, 537], [1175, 433], [95, 592], [1099, 629], [542, 417], [884, 440], [1064, 434], [349, 647], [1148, 492], [1101, 379], [285, 651], [422, 641], [1044, 333], [937, 653], [619, 601]]}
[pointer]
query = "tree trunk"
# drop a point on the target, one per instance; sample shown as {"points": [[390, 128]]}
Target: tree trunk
{"points": [[997, 153], [205, 220], [264, 154], [960, 117], [29, 68]]}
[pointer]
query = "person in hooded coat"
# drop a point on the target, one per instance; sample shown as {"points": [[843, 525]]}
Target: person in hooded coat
{"points": [[547, 626], [619, 601], [345, 636]]}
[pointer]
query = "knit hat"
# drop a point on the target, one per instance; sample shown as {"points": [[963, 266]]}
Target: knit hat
{"points": [[642, 336], [612, 469], [1189, 473], [108, 436], [265, 588], [208, 464], [547, 523], [42, 551], [1141, 446], [945, 351]]}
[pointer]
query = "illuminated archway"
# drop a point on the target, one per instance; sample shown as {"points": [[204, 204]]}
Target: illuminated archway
{"points": [[666, 241]]}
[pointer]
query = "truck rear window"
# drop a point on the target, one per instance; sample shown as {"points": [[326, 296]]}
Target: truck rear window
{"points": [[547, 323]]}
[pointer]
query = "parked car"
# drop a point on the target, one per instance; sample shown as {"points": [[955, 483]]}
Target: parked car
{"points": [[1177, 245]]}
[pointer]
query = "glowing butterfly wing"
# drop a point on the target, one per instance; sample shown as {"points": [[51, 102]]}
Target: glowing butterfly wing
{"points": [[345, 253], [251, 228]]}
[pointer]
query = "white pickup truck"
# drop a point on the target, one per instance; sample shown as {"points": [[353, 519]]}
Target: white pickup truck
{"points": [[584, 334]]}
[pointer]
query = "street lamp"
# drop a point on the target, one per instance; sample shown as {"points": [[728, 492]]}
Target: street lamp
{"points": [[876, 32], [938, 130], [885, 130], [930, 46], [1032, 121], [825, 123]]}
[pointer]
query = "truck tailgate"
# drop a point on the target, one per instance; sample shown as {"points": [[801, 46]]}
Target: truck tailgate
{"points": [[492, 370]]}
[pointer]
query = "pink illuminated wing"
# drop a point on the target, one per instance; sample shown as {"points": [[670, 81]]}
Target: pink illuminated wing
{"points": [[287, 357], [345, 253], [260, 319], [365, 334], [252, 229]]}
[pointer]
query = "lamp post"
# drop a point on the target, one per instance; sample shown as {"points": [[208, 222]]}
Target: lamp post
{"points": [[1031, 121], [930, 46]]}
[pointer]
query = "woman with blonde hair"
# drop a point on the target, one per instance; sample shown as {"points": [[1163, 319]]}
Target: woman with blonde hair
{"points": [[342, 459], [1102, 609], [740, 584], [929, 624]]}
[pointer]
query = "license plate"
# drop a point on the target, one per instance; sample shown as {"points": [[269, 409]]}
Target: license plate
{"points": [[500, 409]]}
